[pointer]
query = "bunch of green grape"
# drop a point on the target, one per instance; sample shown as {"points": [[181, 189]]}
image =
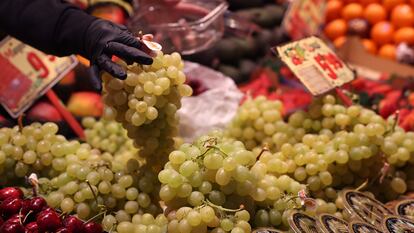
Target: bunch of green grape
{"points": [[328, 146], [106, 135], [34, 148], [217, 172], [146, 103]]}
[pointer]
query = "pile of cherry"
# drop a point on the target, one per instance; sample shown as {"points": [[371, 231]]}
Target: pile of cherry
{"points": [[33, 215]]}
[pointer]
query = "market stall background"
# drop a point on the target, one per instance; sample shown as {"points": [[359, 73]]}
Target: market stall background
{"points": [[288, 150]]}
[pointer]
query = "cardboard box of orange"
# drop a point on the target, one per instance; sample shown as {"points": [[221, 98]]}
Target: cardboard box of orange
{"points": [[381, 25]]}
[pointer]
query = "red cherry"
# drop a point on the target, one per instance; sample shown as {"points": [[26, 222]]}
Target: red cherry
{"points": [[10, 192], [72, 223], [1, 221], [92, 227], [25, 206], [37, 204], [12, 228], [10, 206], [17, 218], [63, 230], [48, 220], [32, 228]]}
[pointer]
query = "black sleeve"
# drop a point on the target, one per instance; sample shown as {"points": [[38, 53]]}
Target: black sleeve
{"points": [[53, 26]]}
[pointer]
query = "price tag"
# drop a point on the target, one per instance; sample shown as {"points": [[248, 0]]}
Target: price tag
{"points": [[366, 208], [304, 18], [332, 224], [405, 208], [396, 224], [361, 227], [26, 74], [302, 223], [315, 64]]}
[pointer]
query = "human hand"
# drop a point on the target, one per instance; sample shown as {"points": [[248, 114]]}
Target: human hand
{"points": [[105, 39]]}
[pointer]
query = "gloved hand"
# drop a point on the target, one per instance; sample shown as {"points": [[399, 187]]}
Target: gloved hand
{"points": [[104, 39]]}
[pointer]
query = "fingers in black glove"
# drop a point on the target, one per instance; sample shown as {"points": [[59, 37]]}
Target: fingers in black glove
{"points": [[105, 63], [128, 53], [104, 39], [95, 78]]}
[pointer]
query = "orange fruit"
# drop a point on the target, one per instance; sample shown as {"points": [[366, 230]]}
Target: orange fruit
{"points": [[387, 51], [382, 33], [405, 34], [335, 29], [402, 16], [375, 13], [352, 11], [369, 45], [339, 42], [367, 2], [333, 10], [390, 4]]}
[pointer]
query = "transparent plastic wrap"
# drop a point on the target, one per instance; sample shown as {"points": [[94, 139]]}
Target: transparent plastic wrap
{"points": [[212, 109]]}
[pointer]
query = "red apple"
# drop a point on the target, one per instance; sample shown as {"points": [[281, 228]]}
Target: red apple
{"points": [[85, 104], [44, 111], [69, 79]]}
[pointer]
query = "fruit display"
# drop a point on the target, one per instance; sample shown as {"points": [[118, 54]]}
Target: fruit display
{"points": [[382, 25], [253, 174]]}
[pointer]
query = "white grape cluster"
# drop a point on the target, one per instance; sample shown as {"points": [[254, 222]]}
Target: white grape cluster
{"points": [[35, 148], [259, 122], [328, 146], [216, 172], [107, 135], [146, 103]]}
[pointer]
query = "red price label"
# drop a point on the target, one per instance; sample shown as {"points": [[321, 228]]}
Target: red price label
{"points": [[27, 74]]}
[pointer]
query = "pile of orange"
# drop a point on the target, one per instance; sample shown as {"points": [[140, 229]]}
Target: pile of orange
{"points": [[391, 22]]}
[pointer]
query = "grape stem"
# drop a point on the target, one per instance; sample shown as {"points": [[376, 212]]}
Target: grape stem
{"points": [[20, 121], [101, 207], [265, 148], [222, 208]]}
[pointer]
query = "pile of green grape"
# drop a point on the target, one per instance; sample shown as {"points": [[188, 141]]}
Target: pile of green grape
{"points": [[106, 135], [328, 147], [146, 103]]}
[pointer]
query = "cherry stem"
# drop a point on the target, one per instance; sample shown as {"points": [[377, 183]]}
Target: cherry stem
{"points": [[94, 217], [27, 215]]}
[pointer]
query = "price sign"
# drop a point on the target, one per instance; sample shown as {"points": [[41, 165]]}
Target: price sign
{"points": [[315, 64], [26, 74], [304, 18]]}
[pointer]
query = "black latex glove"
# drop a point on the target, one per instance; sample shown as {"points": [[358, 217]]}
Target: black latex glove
{"points": [[104, 39]]}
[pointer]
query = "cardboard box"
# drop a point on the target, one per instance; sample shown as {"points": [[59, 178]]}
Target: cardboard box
{"points": [[369, 65]]}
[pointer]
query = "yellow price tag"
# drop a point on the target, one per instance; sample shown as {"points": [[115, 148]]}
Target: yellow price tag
{"points": [[315, 64], [27, 73]]}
